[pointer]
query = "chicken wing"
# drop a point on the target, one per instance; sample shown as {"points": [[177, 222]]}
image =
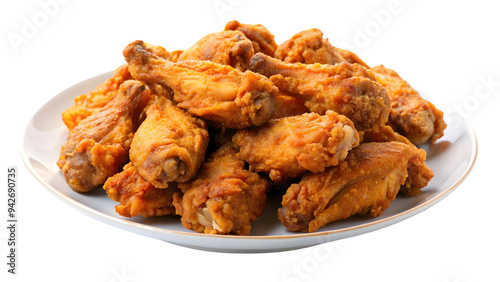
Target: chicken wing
{"points": [[169, 145], [220, 94], [138, 197], [224, 198], [418, 173], [348, 89], [262, 39], [229, 47], [98, 147], [288, 147], [93, 101], [366, 182], [411, 115], [309, 47]]}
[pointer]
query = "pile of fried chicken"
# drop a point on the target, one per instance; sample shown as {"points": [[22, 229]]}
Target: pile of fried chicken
{"points": [[207, 132]]}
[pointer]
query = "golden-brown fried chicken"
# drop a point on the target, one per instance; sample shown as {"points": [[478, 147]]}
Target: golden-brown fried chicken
{"points": [[366, 182], [170, 145], [224, 198], [93, 101], [418, 173], [98, 147], [262, 39], [411, 115], [138, 197], [351, 57], [220, 94], [308, 47], [348, 89], [288, 147], [287, 106], [229, 47]]}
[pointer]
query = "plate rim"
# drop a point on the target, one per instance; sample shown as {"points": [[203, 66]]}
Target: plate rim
{"points": [[124, 223]]}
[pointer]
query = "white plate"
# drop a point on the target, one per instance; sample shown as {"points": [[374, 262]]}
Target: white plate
{"points": [[451, 159]]}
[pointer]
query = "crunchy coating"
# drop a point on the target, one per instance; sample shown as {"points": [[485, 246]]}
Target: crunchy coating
{"points": [[92, 102], [308, 47], [287, 106], [169, 145], [411, 115], [348, 89], [288, 147], [224, 198], [229, 47], [220, 94], [138, 197], [366, 182], [418, 173], [97, 148], [262, 39]]}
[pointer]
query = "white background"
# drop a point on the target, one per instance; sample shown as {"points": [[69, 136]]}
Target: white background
{"points": [[444, 49]]}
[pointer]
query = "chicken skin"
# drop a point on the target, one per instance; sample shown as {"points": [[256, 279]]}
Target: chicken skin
{"points": [[418, 173], [169, 145], [230, 47], [287, 148], [262, 39], [224, 198], [219, 94], [366, 182], [93, 101], [348, 89], [98, 147], [138, 197], [411, 115], [310, 47]]}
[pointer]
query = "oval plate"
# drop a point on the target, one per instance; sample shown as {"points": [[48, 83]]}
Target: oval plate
{"points": [[451, 159]]}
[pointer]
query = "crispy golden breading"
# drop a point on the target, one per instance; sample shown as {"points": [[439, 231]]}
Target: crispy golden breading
{"points": [[411, 115], [287, 106], [138, 197], [288, 147], [93, 101], [169, 145], [366, 182], [229, 47], [418, 173], [98, 147], [262, 39], [348, 89], [308, 47], [224, 198], [220, 94]]}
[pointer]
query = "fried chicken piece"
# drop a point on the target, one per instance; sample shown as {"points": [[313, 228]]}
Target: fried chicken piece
{"points": [[348, 89], [288, 147], [287, 106], [93, 101], [98, 147], [384, 134], [224, 198], [262, 39], [308, 47], [418, 173], [229, 47], [138, 197], [411, 115], [366, 182], [220, 94], [170, 145]]}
